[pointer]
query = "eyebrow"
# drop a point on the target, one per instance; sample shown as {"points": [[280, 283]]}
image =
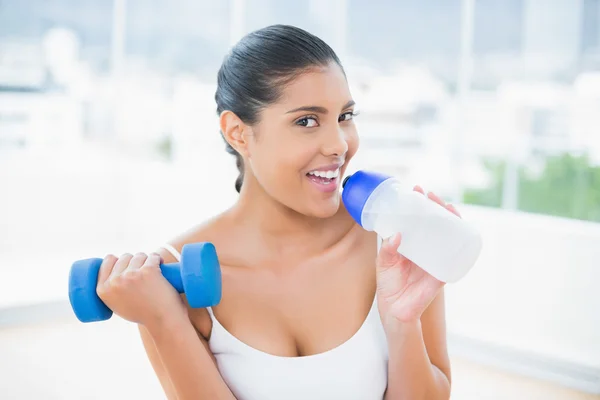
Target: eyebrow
{"points": [[319, 109]]}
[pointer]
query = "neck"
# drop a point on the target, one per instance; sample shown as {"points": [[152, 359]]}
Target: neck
{"points": [[279, 225]]}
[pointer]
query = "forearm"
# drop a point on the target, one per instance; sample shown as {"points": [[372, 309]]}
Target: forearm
{"points": [[189, 366], [411, 375]]}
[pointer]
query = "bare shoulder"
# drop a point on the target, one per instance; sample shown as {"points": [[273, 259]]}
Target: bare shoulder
{"points": [[206, 231], [212, 231]]}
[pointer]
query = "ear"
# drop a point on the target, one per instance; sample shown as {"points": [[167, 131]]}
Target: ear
{"points": [[234, 130]]}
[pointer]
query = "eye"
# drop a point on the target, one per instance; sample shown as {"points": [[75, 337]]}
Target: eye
{"points": [[307, 122], [347, 116]]}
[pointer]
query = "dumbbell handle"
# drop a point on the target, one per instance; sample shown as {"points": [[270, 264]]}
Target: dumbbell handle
{"points": [[172, 273]]}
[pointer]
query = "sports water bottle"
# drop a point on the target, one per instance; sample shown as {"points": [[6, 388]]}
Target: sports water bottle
{"points": [[434, 238]]}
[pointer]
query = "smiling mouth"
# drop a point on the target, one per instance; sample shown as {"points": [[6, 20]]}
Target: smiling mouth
{"points": [[324, 177]]}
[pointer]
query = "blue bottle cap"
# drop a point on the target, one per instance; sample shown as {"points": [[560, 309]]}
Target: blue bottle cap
{"points": [[356, 191]]}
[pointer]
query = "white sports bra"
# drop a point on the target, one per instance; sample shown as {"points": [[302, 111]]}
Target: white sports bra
{"points": [[354, 370]]}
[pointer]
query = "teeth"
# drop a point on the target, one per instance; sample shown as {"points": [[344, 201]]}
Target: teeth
{"points": [[326, 174]]}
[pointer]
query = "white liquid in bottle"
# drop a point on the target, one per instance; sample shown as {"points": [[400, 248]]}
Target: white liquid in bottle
{"points": [[435, 239]]}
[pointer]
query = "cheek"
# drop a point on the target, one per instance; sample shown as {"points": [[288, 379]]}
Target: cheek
{"points": [[353, 142], [281, 162]]}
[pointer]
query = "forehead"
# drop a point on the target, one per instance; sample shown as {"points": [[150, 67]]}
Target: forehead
{"points": [[319, 86]]}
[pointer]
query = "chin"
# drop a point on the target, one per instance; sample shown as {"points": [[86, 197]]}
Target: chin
{"points": [[327, 207]]}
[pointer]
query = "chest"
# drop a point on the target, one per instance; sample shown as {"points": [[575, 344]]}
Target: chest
{"points": [[357, 369], [301, 308]]}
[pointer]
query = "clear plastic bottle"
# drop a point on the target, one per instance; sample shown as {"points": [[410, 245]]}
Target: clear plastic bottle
{"points": [[435, 239]]}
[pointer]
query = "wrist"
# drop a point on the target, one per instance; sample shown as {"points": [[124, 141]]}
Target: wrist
{"points": [[167, 325], [394, 327]]}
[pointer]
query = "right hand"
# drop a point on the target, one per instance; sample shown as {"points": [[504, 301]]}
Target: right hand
{"points": [[133, 288]]}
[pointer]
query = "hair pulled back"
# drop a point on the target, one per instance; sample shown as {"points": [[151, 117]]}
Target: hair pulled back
{"points": [[255, 71]]}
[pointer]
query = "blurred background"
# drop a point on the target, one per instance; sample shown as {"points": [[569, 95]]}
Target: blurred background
{"points": [[109, 143]]}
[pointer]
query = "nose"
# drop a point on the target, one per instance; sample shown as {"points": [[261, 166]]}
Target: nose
{"points": [[336, 143]]}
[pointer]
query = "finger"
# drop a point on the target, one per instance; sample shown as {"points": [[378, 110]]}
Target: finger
{"points": [[106, 267], [137, 261], [453, 210], [120, 265], [419, 189], [388, 253], [153, 261], [436, 198], [393, 242]]}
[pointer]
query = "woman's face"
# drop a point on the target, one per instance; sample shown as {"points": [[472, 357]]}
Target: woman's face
{"points": [[303, 143]]}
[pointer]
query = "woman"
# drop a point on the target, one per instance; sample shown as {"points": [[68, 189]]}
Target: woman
{"points": [[313, 306]]}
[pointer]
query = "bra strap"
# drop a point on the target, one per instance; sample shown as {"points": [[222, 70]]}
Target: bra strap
{"points": [[172, 250]]}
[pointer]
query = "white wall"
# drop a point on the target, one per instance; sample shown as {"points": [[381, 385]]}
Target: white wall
{"points": [[535, 287]]}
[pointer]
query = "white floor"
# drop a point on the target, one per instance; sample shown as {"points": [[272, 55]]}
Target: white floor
{"points": [[66, 360]]}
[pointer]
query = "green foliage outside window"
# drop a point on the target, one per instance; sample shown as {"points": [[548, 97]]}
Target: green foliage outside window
{"points": [[567, 186]]}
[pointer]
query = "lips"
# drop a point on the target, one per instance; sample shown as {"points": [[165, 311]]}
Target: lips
{"points": [[325, 181]]}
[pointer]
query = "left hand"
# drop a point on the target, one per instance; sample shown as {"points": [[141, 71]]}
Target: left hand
{"points": [[404, 290]]}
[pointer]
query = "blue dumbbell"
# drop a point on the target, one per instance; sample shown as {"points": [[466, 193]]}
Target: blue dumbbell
{"points": [[198, 275]]}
